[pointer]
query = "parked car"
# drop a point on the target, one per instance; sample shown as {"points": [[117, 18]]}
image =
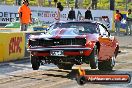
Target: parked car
{"points": [[74, 42]]}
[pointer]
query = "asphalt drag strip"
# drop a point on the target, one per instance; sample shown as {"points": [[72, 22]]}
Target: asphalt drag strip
{"points": [[19, 74]]}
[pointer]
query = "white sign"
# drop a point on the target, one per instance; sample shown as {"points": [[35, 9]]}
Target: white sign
{"points": [[47, 14]]}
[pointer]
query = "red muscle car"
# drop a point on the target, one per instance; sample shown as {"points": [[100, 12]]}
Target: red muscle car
{"points": [[74, 42]]}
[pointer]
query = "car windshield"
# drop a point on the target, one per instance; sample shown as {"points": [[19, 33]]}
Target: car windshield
{"points": [[81, 27]]}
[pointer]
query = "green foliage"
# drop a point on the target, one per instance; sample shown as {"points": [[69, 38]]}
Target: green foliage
{"points": [[102, 4]]}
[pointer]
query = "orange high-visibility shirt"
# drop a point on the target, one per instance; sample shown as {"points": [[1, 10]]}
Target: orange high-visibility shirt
{"points": [[26, 12], [117, 17]]}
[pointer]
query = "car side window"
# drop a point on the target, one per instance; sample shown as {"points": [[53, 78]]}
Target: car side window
{"points": [[102, 30]]}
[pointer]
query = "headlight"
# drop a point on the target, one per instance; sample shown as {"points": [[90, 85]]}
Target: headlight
{"points": [[32, 40]]}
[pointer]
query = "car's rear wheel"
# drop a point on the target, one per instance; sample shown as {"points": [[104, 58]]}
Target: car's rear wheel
{"points": [[94, 58], [65, 66], [35, 62], [107, 65]]}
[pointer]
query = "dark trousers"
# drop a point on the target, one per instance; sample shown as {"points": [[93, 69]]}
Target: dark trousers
{"points": [[24, 27], [94, 5], [117, 27]]}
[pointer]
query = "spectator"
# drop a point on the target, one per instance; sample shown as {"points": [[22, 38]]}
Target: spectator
{"points": [[94, 4], [76, 3], [41, 2], [129, 22], [55, 1], [24, 15], [67, 2], [59, 9], [88, 14], [79, 16], [71, 14], [117, 18], [49, 2], [18, 2]]}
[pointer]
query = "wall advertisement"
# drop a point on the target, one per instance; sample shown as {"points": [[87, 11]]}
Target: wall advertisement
{"points": [[12, 46], [47, 14]]}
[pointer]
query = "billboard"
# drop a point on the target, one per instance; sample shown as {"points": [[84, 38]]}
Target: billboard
{"points": [[47, 14], [12, 46]]}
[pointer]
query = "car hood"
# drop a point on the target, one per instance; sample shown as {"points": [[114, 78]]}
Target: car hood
{"points": [[63, 33]]}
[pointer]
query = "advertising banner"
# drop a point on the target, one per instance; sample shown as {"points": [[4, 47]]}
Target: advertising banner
{"points": [[47, 14], [13, 45]]}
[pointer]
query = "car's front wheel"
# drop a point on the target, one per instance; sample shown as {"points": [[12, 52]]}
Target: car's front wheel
{"points": [[107, 65], [35, 62], [81, 80]]}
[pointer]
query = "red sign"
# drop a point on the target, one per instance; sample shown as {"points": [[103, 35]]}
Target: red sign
{"points": [[14, 45]]}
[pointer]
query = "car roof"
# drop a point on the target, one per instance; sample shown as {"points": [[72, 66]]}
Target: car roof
{"points": [[77, 21]]}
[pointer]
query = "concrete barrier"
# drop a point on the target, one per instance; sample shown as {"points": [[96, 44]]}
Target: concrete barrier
{"points": [[9, 30], [1, 52], [13, 43]]}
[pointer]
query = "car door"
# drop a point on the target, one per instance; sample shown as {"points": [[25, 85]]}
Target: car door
{"points": [[106, 43]]}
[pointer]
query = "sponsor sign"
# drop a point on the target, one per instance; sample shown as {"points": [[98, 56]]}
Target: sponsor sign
{"points": [[8, 13], [104, 78], [13, 46], [82, 77], [48, 14]]}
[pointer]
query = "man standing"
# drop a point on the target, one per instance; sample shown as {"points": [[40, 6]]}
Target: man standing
{"points": [[94, 4], [59, 9], [117, 18], [79, 16], [24, 15], [129, 22], [71, 14], [88, 14]]}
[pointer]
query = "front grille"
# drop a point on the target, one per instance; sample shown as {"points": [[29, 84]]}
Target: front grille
{"points": [[55, 42]]}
